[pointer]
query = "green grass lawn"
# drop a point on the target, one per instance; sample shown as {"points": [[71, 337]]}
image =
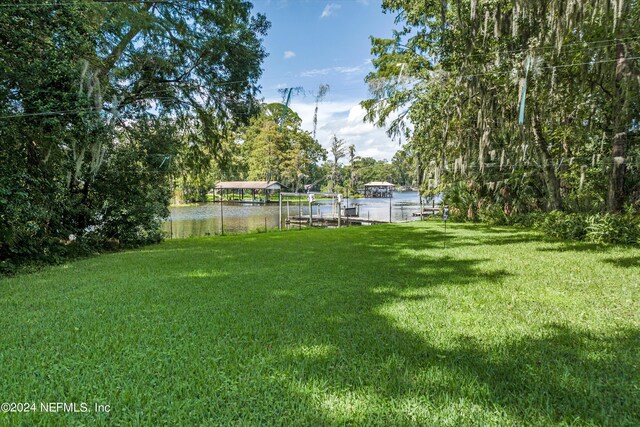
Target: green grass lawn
{"points": [[361, 326]]}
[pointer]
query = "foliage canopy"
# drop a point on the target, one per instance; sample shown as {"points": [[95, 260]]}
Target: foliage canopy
{"points": [[98, 98], [457, 77]]}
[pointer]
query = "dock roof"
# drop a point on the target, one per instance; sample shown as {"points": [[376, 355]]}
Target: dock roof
{"points": [[379, 184], [248, 185]]}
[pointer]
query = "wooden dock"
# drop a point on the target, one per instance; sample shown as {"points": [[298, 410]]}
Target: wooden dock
{"points": [[248, 202], [427, 211], [331, 221]]}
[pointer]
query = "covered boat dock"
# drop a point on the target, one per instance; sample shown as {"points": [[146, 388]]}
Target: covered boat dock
{"points": [[378, 189], [247, 191]]}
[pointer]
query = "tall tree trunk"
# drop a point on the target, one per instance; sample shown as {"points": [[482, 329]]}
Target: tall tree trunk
{"points": [[554, 199], [615, 198]]}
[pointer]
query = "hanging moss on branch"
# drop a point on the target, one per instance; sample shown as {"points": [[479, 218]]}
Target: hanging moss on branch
{"points": [[537, 82]]}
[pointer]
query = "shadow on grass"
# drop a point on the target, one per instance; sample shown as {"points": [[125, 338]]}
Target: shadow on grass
{"points": [[335, 341], [335, 327], [479, 236], [625, 262], [563, 246]]}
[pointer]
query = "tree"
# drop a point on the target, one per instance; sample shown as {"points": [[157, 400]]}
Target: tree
{"points": [[286, 155], [323, 89], [404, 167], [197, 168], [470, 68], [353, 174], [338, 151], [371, 169], [80, 80]]}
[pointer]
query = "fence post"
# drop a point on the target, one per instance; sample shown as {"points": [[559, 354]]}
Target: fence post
{"points": [[280, 210], [299, 213]]}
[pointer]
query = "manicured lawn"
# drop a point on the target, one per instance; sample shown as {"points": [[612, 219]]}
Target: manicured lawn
{"points": [[360, 326]]}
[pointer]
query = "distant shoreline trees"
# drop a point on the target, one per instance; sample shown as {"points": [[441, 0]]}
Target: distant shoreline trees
{"points": [[261, 151]]}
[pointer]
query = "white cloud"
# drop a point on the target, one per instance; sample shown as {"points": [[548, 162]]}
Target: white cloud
{"points": [[329, 9], [288, 54], [344, 119], [342, 70]]}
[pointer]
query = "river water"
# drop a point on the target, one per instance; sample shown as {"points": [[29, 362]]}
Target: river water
{"points": [[204, 219]]}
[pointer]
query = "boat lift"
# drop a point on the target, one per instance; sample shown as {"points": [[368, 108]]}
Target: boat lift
{"points": [[340, 215]]}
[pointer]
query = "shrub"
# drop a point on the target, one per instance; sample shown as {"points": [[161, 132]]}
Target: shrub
{"points": [[133, 197], [493, 214], [528, 220], [609, 228], [564, 226], [597, 228]]}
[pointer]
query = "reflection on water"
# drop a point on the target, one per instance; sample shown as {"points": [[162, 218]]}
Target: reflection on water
{"points": [[205, 219]]}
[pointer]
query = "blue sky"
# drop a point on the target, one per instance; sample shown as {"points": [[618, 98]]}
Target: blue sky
{"points": [[312, 42]]}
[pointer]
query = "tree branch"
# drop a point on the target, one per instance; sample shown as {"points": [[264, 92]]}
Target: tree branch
{"points": [[110, 61]]}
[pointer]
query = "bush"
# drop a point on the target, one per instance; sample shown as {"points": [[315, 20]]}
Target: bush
{"points": [[564, 226], [609, 228], [528, 220], [597, 228], [493, 214]]}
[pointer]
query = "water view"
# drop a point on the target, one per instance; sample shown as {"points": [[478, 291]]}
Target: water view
{"points": [[205, 219]]}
